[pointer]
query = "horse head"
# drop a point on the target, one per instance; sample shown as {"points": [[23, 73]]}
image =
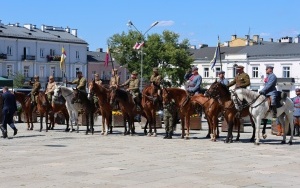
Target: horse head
{"points": [[217, 90], [57, 92], [166, 96]]}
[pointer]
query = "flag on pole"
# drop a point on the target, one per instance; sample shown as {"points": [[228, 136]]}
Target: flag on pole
{"points": [[106, 58], [62, 59], [140, 45], [214, 60], [135, 46]]}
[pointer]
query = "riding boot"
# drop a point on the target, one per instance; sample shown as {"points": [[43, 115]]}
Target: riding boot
{"points": [[4, 132], [274, 110], [170, 135], [12, 125], [296, 130], [166, 136]]}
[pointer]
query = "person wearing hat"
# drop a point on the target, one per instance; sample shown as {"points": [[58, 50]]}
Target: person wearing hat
{"points": [[36, 86], [155, 80], [50, 88], [115, 79], [80, 82], [270, 89], [133, 88], [222, 78], [241, 80], [195, 81], [296, 114], [97, 79]]}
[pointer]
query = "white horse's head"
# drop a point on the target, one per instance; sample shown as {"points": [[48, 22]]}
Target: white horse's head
{"points": [[57, 91]]}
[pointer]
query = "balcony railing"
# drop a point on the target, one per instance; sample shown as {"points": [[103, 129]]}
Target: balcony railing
{"points": [[28, 57], [53, 58], [3, 56]]}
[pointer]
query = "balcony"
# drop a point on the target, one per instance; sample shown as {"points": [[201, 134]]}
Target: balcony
{"points": [[3, 56], [53, 58], [28, 57]]}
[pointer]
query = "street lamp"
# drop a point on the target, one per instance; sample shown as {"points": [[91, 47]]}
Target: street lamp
{"points": [[130, 24]]}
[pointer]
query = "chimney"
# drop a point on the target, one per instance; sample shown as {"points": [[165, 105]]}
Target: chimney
{"points": [[99, 50], [43, 28], [74, 32], [28, 26], [193, 47], [255, 38], [68, 29], [261, 39], [203, 45], [33, 26], [233, 37], [17, 24], [271, 39], [246, 36]]}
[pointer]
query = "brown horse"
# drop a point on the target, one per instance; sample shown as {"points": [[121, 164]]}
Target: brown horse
{"points": [[212, 110], [60, 107], [105, 108], [127, 106], [183, 103], [221, 94], [27, 108], [150, 106]]}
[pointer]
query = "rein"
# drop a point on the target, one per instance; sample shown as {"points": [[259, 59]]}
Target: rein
{"points": [[249, 103]]}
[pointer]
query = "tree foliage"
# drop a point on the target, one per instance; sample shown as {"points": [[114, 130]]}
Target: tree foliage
{"points": [[18, 80], [163, 51]]}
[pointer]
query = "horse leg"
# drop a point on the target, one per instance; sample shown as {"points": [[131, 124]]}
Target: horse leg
{"points": [[154, 125], [289, 117], [67, 117], [209, 122], [110, 122], [92, 122], [238, 124], [41, 122], [257, 122], [28, 120], [214, 127], [253, 126], [145, 127], [103, 126], [76, 122], [124, 122], [265, 121], [187, 123], [87, 122], [182, 127]]}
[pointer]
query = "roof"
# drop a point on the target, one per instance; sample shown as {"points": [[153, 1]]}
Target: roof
{"points": [[95, 56], [59, 35]]}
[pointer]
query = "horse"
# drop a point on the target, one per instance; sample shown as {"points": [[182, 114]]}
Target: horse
{"points": [[150, 106], [259, 109], [105, 108], [58, 107], [127, 107], [67, 94], [44, 107], [87, 108], [212, 110], [183, 103]]}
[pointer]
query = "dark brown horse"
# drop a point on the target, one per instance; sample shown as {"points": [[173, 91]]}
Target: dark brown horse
{"points": [[105, 108], [221, 94], [150, 107], [60, 107], [127, 106], [183, 104], [212, 110], [27, 108]]}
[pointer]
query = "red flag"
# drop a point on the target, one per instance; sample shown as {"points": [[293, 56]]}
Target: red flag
{"points": [[140, 45], [135, 46], [106, 57]]}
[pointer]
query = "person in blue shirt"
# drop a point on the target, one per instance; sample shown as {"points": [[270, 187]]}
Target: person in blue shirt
{"points": [[222, 78], [270, 89], [195, 81], [8, 110], [296, 114]]}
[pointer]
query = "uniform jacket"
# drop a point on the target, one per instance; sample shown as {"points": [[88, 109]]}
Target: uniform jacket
{"points": [[114, 81], [270, 85], [81, 83], [133, 84], [223, 81], [9, 102], [36, 88], [296, 101], [99, 82], [195, 83], [156, 79], [241, 81], [50, 87]]}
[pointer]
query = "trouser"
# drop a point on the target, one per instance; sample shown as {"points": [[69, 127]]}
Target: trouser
{"points": [[168, 121], [49, 97], [7, 119], [273, 105], [297, 125]]}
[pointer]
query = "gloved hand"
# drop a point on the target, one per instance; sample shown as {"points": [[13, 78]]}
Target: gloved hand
{"points": [[262, 93]]}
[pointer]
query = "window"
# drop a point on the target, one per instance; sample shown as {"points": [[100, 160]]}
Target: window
{"points": [[9, 70], [218, 69], [52, 52], [52, 71], [206, 72], [77, 70], [41, 52], [42, 72], [93, 72], [254, 72], [26, 71], [286, 72], [77, 54], [9, 50]]}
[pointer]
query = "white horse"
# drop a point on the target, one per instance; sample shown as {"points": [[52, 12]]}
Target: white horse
{"points": [[73, 109], [259, 108]]}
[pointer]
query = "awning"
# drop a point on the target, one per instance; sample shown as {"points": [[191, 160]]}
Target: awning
{"points": [[6, 82]]}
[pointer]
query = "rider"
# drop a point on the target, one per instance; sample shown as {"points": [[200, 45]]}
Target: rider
{"points": [[133, 88], [115, 79], [195, 81], [50, 88], [222, 78], [99, 82], [155, 80], [81, 84], [241, 80], [270, 89], [35, 89]]}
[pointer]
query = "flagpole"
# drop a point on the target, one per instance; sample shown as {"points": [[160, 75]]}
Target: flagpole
{"points": [[220, 53]]}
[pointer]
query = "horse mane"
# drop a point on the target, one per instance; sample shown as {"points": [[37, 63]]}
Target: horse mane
{"points": [[123, 95], [248, 93], [223, 87]]}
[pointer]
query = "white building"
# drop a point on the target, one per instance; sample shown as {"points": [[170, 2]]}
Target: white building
{"points": [[32, 51]]}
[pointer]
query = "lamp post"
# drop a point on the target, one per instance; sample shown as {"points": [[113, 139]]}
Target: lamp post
{"points": [[130, 24]]}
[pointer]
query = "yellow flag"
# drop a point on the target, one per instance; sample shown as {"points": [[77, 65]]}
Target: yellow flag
{"points": [[62, 59]]}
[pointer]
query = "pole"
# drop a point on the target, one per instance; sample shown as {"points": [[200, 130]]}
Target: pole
{"points": [[220, 53], [141, 69]]}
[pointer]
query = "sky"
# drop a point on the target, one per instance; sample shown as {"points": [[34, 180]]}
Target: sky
{"points": [[199, 21]]}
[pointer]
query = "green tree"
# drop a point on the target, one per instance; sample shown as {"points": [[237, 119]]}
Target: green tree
{"points": [[19, 79], [163, 51]]}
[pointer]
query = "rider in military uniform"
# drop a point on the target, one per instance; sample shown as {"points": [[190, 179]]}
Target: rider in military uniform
{"points": [[133, 88], [99, 82], [115, 79], [36, 86], [50, 88], [241, 80], [155, 80], [81, 84]]}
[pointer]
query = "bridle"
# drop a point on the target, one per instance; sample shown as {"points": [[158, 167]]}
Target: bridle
{"points": [[248, 104]]}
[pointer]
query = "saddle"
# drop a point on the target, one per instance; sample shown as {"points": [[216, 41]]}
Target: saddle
{"points": [[280, 95]]}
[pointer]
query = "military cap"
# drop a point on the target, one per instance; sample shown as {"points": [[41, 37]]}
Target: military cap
{"points": [[51, 77], [298, 89], [79, 72], [155, 69], [134, 72], [194, 68], [222, 72], [36, 76], [115, 70], [97, 75], [239, 67], [269, 67]]}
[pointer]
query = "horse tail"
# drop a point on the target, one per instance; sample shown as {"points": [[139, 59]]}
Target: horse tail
{"points": [[283, 95]]}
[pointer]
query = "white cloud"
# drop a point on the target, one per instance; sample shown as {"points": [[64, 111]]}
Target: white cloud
{"points": [[166, 23]]}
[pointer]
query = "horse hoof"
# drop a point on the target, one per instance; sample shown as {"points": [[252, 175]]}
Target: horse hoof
{"points": [[290, 143], [283, 142], [46, 130], [256, 143], [67, 130], [154, 134], [186, 138], [252, 140], [145, 132], [149, 134], [102, 133], [40, 130], [207, 136], [105, 134], [31, 129], [264, 136]]}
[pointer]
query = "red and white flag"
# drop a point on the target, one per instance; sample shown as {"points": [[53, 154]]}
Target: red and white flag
{"points": [[140, 45], [135, 46]]}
